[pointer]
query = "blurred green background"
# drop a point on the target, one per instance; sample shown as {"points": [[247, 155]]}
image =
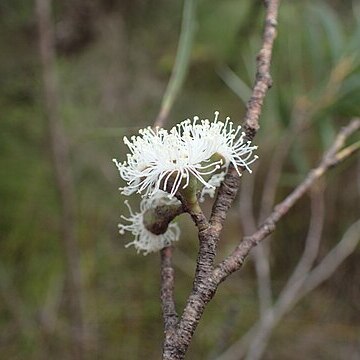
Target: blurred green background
{"points": [[114, 59]]}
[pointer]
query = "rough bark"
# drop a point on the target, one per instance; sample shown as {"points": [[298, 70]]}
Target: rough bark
{"points": [[179, 331], [205, 282]]}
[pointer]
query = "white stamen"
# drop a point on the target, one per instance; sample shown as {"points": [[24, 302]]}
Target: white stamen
{"points": [[145, 241]]}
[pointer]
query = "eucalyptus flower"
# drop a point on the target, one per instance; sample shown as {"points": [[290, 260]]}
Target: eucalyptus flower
{"points": [[162, 160], [145, 241], [222, 139], [190, 153]]}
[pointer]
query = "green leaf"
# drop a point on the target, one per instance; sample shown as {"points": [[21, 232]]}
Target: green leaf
{"points": [[235, 83]]}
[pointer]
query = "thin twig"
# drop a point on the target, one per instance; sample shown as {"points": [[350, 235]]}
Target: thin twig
{"points": [[312, 242], [331, 158], [172, 91], [333, 259], [262, 251], [167, 290], [294, 292], [262, 267], [263, 82], [263, 79], [205, 284], [290, 292], [257, 336], [63, 177]]}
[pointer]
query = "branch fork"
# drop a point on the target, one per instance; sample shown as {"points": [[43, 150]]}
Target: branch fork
{"points": [[179, 330]]}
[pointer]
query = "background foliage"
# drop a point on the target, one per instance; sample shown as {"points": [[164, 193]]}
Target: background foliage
{"points": [[114, 60]]}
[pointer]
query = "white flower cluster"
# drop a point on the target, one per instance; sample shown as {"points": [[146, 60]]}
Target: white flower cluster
{"points": [[145, 240], [163, 162]]}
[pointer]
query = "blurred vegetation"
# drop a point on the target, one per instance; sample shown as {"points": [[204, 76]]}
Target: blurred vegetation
{"points": [[114, 61]]}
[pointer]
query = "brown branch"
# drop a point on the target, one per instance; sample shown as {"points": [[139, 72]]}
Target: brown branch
{"points": [[205, 284], [255, 340], [331, 158], [270, 184], [263, 78], [291, 290], [167, 290], [225, 197], [207, 279], [296, 288], [263, 82], [173, 88], [292, 294], [159, 219], [167, 284], [63, 177]]}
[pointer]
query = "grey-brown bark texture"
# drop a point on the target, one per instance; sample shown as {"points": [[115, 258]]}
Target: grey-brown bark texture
{"points": [[179, 330], [207, 278]]}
